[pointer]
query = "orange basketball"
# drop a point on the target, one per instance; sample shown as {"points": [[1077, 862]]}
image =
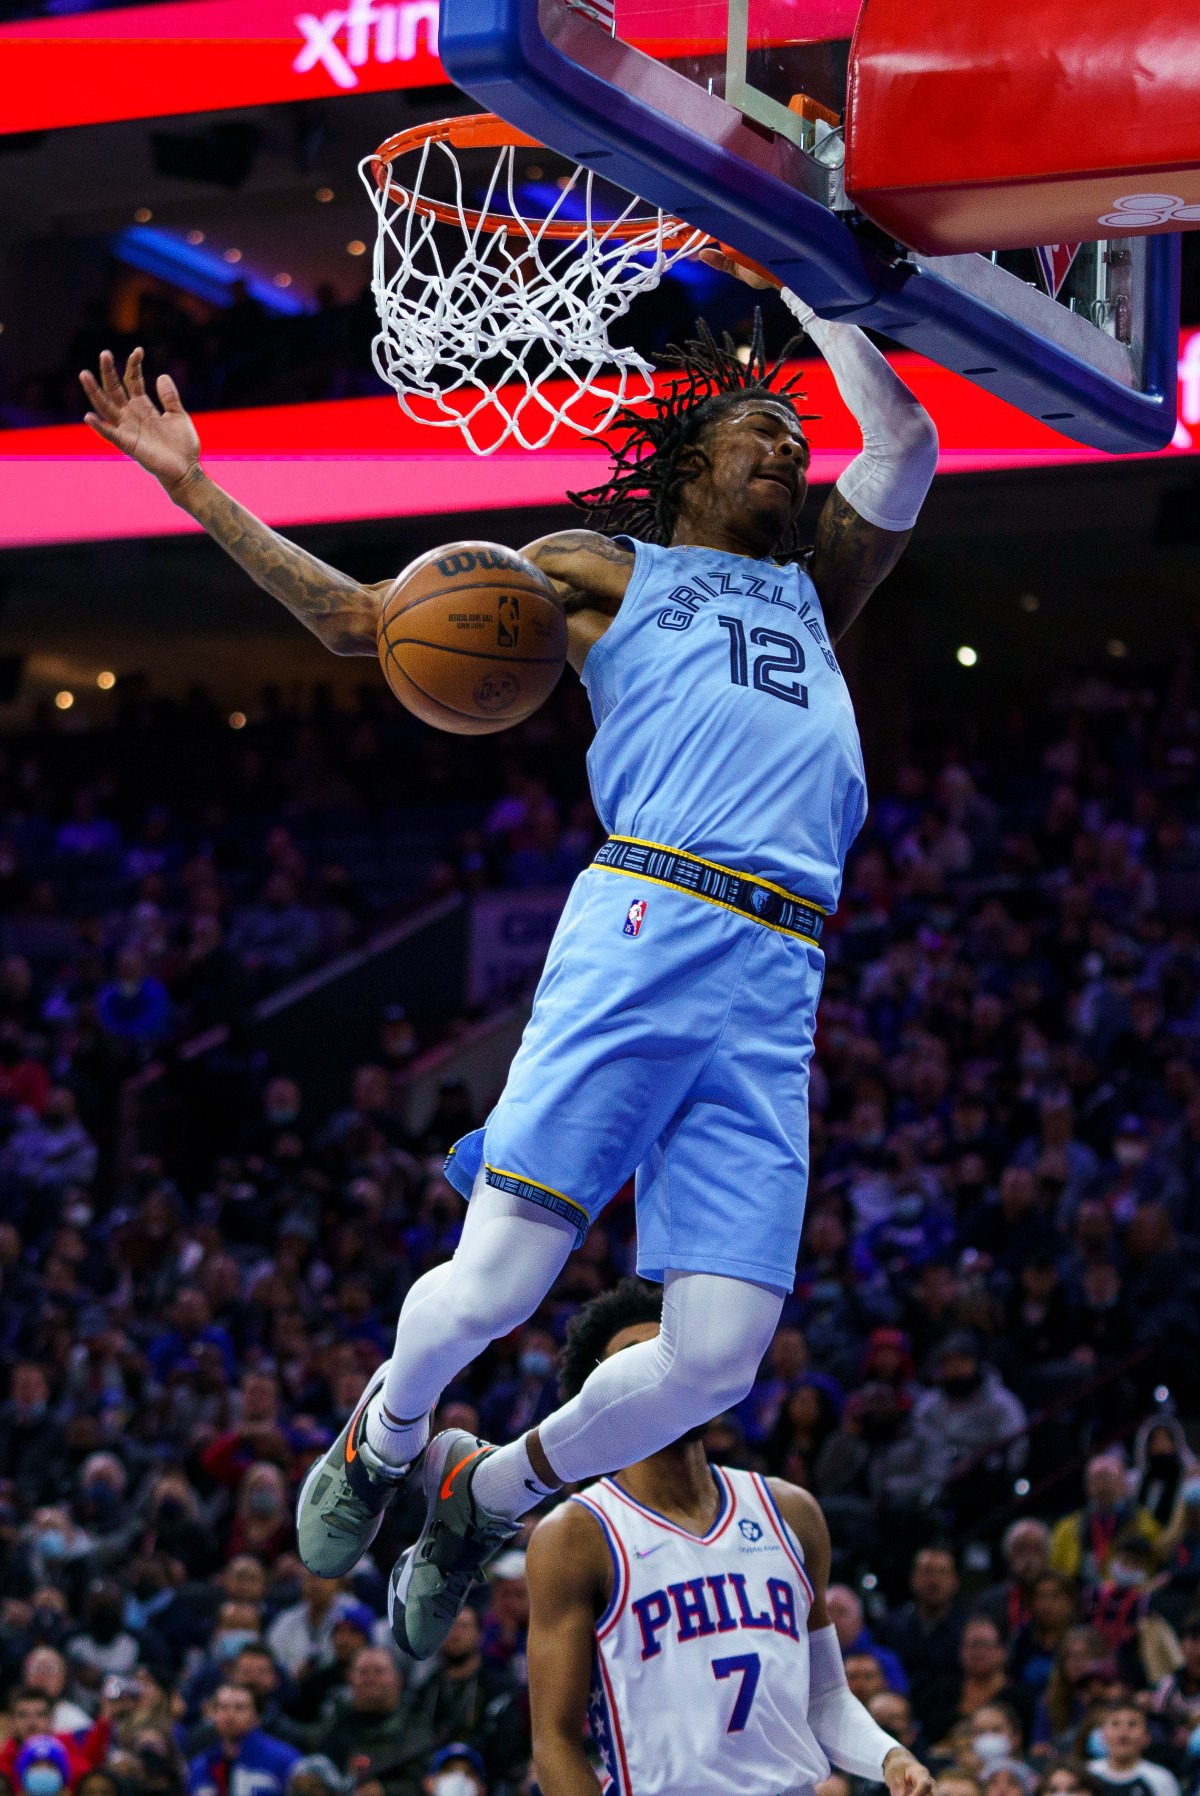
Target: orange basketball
{"points": [[472, 638]]}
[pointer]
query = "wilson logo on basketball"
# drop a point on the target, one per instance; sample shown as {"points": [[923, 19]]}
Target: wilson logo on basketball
{"points": [[466, 561]]}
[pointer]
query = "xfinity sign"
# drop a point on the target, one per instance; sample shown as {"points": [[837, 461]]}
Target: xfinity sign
{"points": [[365, 31]]}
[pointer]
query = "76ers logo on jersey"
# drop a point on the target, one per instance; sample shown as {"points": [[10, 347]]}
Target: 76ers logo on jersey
{"points": [[634, 917]]}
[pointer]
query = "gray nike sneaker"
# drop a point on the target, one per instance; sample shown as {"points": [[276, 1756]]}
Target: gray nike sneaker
{"points": [[343, 1498], [431, 1581]]}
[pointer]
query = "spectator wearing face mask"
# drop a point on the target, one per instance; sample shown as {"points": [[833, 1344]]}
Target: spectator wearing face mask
{"points": [[525, 1400], [42, 1767], [262, 1522], [29, 1717], [1162, 1462], [971, 1425], [456, 1770], [237, 1625], [1143, 1642], [53, 1551], [103, 1647]]}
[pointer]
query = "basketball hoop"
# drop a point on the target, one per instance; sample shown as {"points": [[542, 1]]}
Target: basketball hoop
{"points": [[496, 282]]}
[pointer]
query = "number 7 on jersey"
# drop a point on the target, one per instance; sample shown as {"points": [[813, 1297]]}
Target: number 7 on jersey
{"points": [[749, 1665]]}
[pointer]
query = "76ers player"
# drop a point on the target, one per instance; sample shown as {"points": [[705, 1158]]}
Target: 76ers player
{"points": [[681, 1607]]}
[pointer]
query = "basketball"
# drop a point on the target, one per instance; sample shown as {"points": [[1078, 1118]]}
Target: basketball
{"points": [[472, 638]]}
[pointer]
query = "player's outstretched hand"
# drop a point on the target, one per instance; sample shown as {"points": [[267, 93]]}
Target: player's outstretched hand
{"points": [[719, 258], [163, 442], [905, 1775]]}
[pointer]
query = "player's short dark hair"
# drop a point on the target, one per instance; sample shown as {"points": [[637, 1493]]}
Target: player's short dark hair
{"points": [[642, 494], [595, 1325], [28, 1694]]}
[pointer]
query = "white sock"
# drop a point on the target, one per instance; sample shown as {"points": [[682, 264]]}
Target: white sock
{"points": [[505, 1483], [397, 1442]]}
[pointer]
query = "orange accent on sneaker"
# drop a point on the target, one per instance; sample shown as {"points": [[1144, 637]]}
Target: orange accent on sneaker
{"points": [[351, 1449], [444, 1493]]}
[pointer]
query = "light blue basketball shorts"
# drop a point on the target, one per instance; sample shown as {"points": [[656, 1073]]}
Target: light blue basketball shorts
{"points": [[670, 1038]]}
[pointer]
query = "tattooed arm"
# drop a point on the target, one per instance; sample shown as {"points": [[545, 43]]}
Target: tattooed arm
{"points": [[591, 573], [850, 559], [342, 612]]}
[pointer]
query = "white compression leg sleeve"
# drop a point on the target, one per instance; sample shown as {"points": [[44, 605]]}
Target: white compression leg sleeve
{"points": [[846, 1732], [714, 1334], [509, 1256], [888, 482]]}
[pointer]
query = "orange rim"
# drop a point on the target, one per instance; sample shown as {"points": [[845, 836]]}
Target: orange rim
{"points": [[486, 131]]}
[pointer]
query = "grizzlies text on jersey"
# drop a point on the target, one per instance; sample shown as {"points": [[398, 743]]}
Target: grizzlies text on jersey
{"points": [[724, 726]]}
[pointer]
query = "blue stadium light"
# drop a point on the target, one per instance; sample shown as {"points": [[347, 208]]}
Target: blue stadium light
{"points": [[198, 271], [1161, 1394], [1021, 1487]]}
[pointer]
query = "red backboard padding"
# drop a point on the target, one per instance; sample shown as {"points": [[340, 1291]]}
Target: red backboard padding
{"points": [[977, 125]]}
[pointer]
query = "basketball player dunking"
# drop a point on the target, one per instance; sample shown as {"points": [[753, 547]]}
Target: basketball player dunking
{"points": [[681, 1607], [672, 1029]]}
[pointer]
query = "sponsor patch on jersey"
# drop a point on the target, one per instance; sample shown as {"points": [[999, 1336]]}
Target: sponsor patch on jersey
{"points": [[750, 1530], [635, 916]]}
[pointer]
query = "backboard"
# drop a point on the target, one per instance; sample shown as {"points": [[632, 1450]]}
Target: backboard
{"points": [[730, 114]]}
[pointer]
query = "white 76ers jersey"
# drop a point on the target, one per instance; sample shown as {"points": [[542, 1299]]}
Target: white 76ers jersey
{"points": [[700, 1679]]}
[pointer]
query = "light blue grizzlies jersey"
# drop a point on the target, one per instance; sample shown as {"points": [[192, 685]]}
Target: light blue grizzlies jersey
{"points": [[723, 723]]}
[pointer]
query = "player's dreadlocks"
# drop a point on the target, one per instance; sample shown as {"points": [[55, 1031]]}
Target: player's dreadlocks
{"points": [[641, 496]]}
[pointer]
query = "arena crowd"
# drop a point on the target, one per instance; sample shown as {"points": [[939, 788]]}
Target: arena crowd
{"points": [[984, 1372]]}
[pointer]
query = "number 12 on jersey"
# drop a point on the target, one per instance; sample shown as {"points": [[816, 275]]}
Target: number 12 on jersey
{"points": [[745, 1665], [769, 670]]}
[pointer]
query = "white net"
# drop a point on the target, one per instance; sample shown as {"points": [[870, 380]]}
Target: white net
{"points": [[502, 333]]}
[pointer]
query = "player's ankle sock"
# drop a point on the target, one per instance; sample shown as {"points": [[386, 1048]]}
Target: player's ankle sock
{"points": [[396, 1441], [506, 1484]]}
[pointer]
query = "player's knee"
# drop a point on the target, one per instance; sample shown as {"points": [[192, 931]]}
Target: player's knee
{"points": [[483, 1310], [706, 1378]]}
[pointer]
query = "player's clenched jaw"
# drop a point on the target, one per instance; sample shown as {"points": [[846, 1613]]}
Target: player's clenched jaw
{"points": [[747, 479]]}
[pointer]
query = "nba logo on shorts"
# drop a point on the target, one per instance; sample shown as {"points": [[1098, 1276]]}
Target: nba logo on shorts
{"points": [[634, 916]]}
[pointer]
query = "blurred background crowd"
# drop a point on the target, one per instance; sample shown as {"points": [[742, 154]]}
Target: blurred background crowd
{"points": [[986, 1372]]}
